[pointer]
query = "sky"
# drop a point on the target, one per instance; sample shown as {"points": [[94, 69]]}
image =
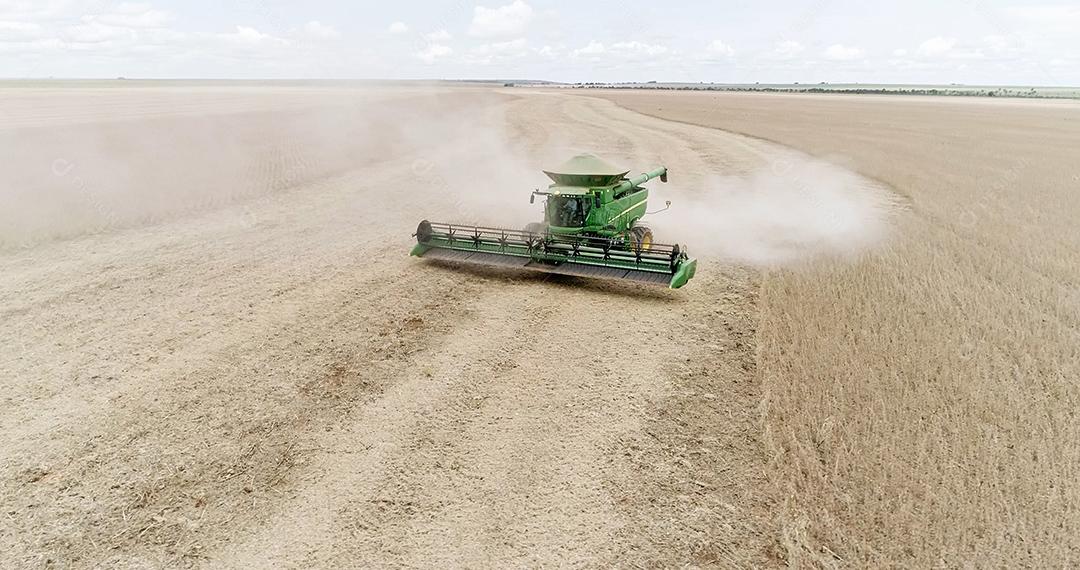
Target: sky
{"points": [[987, 42]]}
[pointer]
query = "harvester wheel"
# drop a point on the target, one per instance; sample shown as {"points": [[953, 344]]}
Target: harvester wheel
{"points": [[423, 232], [641, 238]]}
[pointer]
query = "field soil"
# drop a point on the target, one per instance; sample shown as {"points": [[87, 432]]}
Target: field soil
{"points": [[217, 351], [921, 403]]}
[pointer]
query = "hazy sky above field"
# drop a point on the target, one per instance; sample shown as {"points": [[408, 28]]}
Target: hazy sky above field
{"points": [[919, 41]]}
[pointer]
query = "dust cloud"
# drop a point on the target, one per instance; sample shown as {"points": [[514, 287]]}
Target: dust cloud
{"points": [[144, 161], [794, 210], [484, 180], [130, 162]]}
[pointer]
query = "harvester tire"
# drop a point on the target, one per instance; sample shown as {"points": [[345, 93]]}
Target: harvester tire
{"points": [[641, 238]]}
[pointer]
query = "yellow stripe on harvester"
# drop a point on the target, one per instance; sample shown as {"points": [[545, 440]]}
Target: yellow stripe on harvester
{"points": [[626, 211]]}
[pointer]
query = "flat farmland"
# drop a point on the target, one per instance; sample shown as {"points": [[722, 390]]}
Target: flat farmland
{"points": [[217, 352]]}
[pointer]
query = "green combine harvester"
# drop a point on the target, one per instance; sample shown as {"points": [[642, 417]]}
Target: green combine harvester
{"points": [[591, 229]]}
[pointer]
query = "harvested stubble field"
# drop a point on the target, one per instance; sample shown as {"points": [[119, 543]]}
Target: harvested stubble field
{"points": [[216, 353]]}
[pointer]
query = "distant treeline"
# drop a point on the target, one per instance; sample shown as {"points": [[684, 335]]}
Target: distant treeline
{"points": [[958, 92]]}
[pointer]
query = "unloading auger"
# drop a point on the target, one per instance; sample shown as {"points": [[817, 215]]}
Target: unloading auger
{"points": [[591, 228]]}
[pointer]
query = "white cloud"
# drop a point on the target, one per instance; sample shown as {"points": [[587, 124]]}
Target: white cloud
{"points": [[718, 47], [513, 46], [623, 52], [439, 36], [1049, 18], [96, 33], [485, 54], [788, 49], [947, 48], [155, 37], [551, 51], [840, 52], [30, 10], [20, 31], [128, 35], [245, 36], [936, 47], [997, 42], [35, 47], [123, 24], [636, 48], [594, 48], [123, 31], [1005, 45], [434, 52], [161, 36], [319, 30], [129, 15], [509, 20]]}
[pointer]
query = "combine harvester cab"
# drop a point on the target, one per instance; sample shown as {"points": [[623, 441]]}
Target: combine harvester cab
{"points": [[591, 229]]}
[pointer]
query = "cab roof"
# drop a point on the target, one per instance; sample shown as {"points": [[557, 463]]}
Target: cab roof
{"points": [[557, 190]]}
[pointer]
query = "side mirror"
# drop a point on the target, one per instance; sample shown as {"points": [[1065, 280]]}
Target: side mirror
{"points": [[667, 203], [532, 198]]}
